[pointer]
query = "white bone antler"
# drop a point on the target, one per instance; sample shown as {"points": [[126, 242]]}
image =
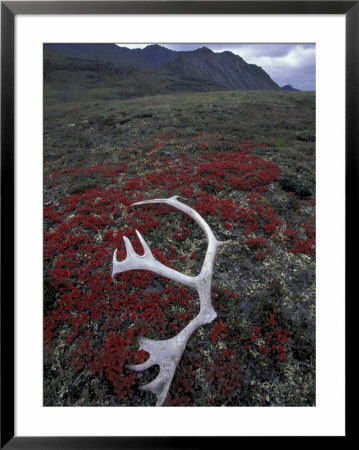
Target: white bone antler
{"points": [[167, 353]]}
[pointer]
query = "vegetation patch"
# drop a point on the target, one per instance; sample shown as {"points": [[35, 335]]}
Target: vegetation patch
{"points": [[237, 160]]}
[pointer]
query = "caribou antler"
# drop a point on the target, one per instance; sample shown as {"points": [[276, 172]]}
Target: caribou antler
{"points": [[167, 353]]}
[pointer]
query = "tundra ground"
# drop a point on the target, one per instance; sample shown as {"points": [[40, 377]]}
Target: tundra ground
{"points": [[246, 162]]}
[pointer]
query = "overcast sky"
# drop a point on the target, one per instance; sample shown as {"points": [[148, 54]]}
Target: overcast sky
{"points": [[292, 64]]}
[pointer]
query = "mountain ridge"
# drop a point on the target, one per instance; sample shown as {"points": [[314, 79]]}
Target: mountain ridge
{"points": [[289, 87], [224, 70]]}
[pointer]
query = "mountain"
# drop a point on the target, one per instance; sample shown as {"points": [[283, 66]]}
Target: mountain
{"points": [[68, 78], [74, 71], [288, 87], [106, 53], [227, 70], [152, 56], [156, 55]]}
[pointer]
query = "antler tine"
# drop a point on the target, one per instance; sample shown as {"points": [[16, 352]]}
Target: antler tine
{"points": [[129, 249], [166, 354], [146, 248], [158, 388], [147, 261], [143, 366], [127, 264]]}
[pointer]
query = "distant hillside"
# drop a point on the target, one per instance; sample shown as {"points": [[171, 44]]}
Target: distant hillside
{"points": [[67, 78], [226, 69], [109, 53], [73, 71], [155, 55], [288, 87]]}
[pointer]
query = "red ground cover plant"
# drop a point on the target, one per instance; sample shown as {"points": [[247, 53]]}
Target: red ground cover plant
{"points": [[301, 241], [269, 339], [97, 318], [224, 374], [219, 329]]}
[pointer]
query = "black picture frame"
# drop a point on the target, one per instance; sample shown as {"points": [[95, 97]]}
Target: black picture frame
{"points": [[9, 9]]}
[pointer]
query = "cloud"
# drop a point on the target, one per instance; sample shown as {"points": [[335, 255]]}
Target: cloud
{"points": [[132, 46], [286, 63]]}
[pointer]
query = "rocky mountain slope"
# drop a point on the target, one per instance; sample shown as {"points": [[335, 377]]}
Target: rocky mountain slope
{"points": [[200, 69]]}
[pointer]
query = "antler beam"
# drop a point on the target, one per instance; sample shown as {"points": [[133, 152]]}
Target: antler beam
{"points": [[167, 353]]}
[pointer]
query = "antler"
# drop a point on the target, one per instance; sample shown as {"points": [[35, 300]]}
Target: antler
{"points": [[167, 353]]}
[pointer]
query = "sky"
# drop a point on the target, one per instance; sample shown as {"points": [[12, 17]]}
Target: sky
{"points": [[292, 64]]}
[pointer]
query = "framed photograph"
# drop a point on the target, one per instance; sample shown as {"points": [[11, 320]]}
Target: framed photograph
{"points": [[176, 182]]}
